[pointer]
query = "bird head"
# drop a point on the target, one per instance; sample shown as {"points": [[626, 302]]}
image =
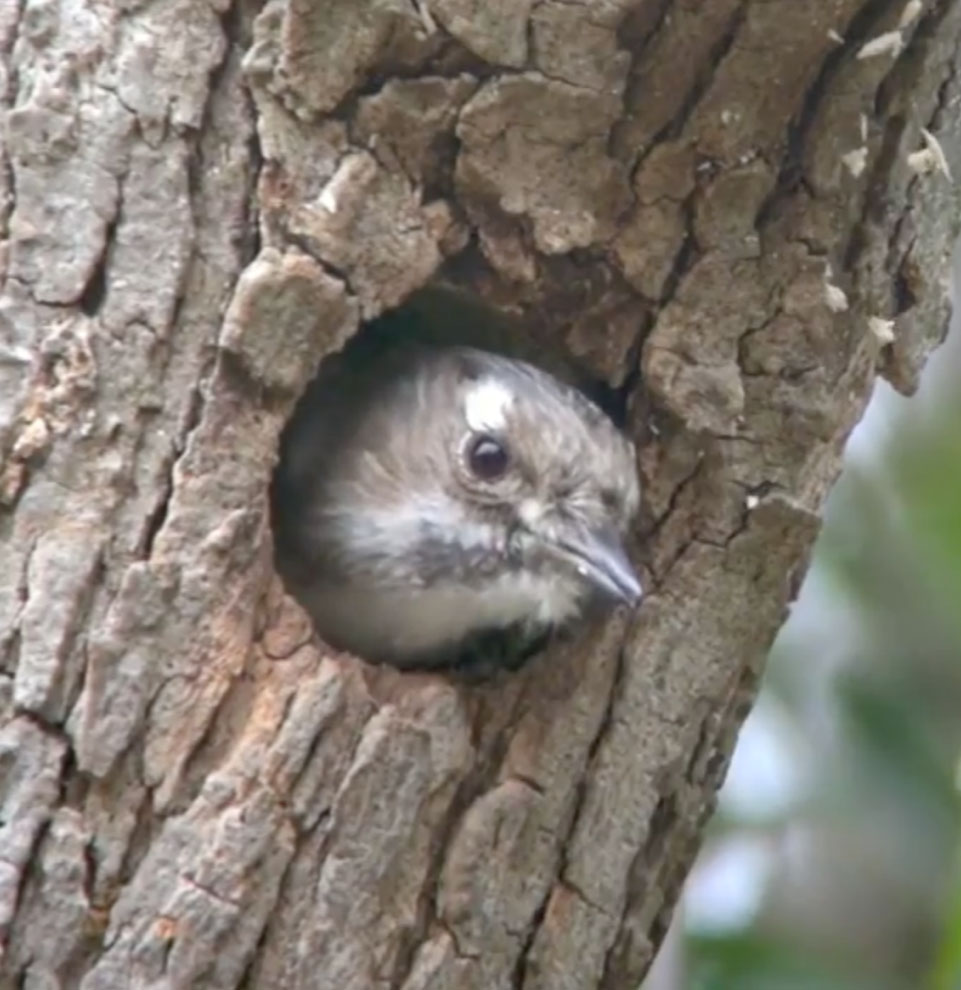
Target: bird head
{"points": [[537, 460], [470, 467]]}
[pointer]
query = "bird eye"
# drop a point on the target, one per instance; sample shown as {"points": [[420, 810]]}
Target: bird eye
{"points": [[487, 457]]}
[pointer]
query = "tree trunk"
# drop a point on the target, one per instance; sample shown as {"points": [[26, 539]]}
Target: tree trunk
{"points": [[735, 212]]}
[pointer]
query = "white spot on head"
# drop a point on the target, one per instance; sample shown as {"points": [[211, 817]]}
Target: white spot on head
{"points": [[486, 405]]}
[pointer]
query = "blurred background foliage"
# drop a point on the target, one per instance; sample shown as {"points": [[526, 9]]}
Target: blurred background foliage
{"points": [[834, 862]]}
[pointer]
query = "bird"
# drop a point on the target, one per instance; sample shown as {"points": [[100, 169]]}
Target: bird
{"points": [[435, 501]]}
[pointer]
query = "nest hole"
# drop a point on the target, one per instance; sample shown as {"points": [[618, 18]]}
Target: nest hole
{"points": [[438, 315]]}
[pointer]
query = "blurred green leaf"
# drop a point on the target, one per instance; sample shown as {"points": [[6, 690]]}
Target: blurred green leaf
{"points": [[887, 734], [752, 961], [946, 972]]}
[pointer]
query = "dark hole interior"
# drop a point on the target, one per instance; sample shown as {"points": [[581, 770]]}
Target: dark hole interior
{"points": [[441, 315]]}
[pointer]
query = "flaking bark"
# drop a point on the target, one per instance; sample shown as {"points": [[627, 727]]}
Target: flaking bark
{"points": [[717, 208]]}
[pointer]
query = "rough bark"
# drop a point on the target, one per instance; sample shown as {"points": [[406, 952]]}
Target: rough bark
{"points": [[716, 207]]}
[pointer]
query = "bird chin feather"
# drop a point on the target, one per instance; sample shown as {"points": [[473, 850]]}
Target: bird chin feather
{"points": [[405, 626]]}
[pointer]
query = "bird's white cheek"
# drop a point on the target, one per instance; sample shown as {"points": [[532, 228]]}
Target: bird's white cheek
{"points": [[394, 531]]}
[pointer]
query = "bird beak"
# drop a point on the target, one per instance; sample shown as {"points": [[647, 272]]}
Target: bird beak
{"points": [[600, 558]]}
